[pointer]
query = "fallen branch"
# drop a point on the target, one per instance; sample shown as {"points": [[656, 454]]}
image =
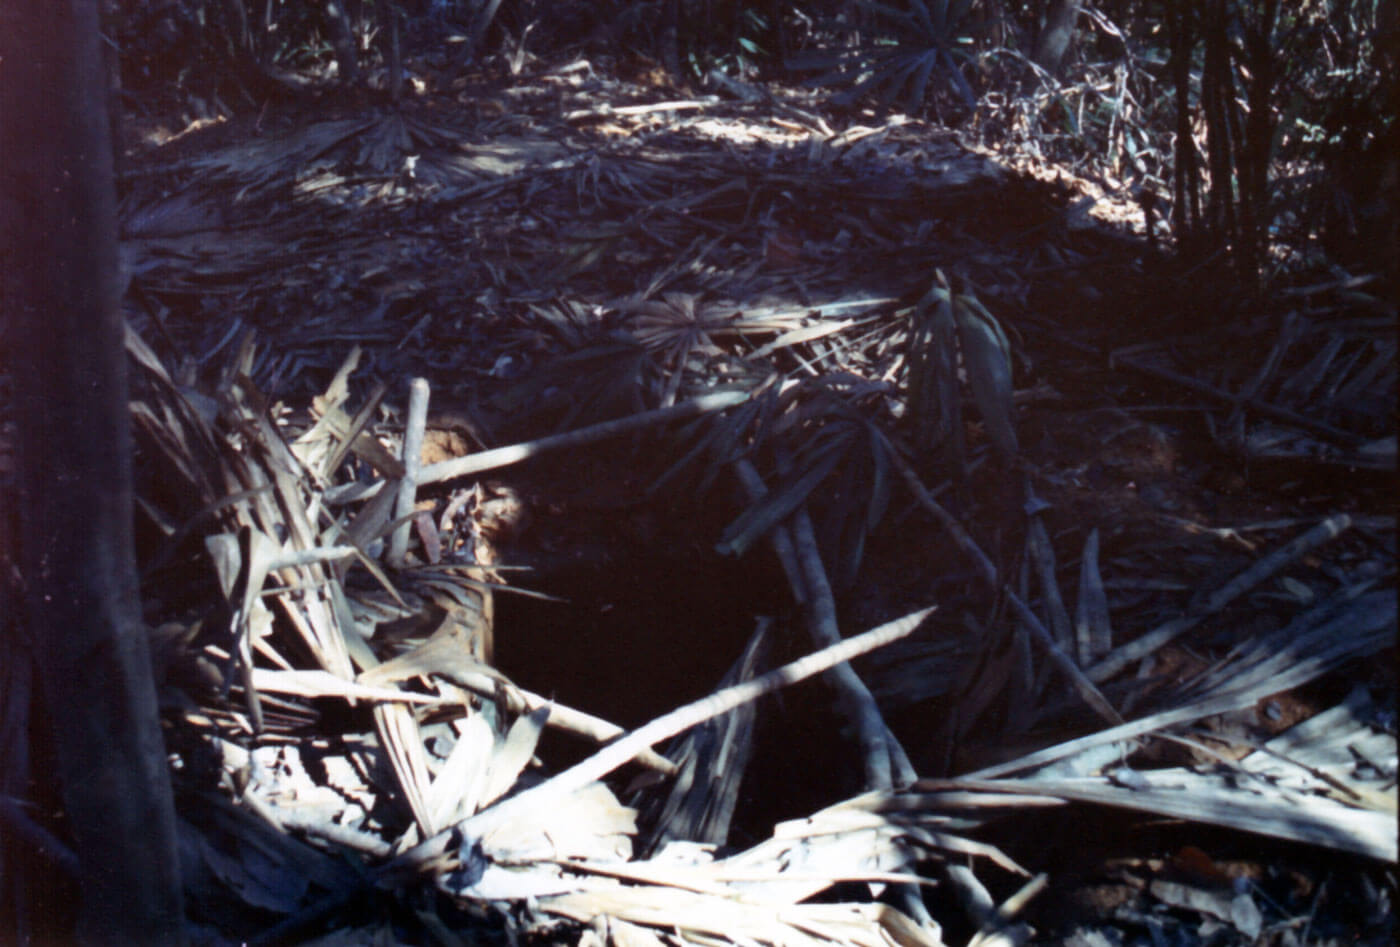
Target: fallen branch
{"points": [[1262, 408], [487, 683], [608, 111], [1091, 694], [1140, 648], [886, 763], [412, 462]]}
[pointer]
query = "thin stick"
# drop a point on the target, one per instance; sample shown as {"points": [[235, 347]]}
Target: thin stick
{"points": [[515, 453], [1290, 552], [885, 760], [606, 112], [1063, 661], [1262, 408], [412, 461], [561, 717]]}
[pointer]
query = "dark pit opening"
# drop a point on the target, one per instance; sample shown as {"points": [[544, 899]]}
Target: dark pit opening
{"points": [[632, 636], [650, 618]]}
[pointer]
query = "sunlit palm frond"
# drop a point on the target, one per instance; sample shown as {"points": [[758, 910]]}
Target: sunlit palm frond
{"points": [[673, 326]]}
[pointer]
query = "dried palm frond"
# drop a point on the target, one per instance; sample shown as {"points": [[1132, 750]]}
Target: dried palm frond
{"points": [[706, 446], [699, 803], [934, 394], [1303, 785], [674, 328], [688, 335]]}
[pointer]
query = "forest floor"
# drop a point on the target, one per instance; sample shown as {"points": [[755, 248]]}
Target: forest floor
{"points": [[586, 240]]}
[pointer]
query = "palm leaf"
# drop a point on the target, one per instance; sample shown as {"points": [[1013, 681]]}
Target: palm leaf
{"points": [[987, 358], [755, 522], [722, 439], [935, 397]]}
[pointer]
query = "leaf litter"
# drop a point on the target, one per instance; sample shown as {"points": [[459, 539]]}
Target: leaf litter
{"points": [[1075, 529]]}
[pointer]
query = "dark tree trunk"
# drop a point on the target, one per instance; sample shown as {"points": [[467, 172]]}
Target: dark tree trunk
{"points": [[1056, 35], [341, 33], [389, 16], [58, 261], [1217, 106], [1186, 172], [1256, 152]]}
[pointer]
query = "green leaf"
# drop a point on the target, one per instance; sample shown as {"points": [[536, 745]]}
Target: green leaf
{"points": [[987, 359], [935, 397]]}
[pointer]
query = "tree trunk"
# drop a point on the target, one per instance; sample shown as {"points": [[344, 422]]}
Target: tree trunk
{"points": [[58, 260], [341, 34], [1056, 36], [1186, 171], [389, 15], [1218, 107]]}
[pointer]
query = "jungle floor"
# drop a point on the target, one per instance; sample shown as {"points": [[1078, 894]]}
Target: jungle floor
{"points": [[1180, 512]]}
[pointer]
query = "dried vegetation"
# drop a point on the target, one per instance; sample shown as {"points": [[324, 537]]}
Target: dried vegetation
{"points": [[1096, 507]]}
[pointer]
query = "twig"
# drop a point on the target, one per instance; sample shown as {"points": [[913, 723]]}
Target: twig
{"points": [[998, 930], [796, 548], [1015, 904], [487, 684], [961, 537], [1063, 661], [1091, 694], [607, 111], [1263, 408]]}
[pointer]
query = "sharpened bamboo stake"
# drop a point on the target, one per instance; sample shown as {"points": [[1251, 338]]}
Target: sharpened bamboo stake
{"points": [[515, 453]]}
